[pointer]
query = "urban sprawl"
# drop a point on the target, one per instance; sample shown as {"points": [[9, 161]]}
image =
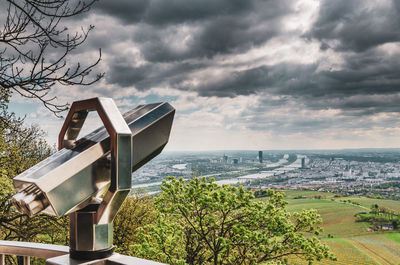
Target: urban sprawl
{"points": [[352, 172]]}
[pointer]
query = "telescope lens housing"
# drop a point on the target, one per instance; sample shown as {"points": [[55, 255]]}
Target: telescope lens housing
{"points": [[30, 200]]}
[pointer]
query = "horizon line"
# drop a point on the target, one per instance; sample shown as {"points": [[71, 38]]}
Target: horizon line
{"points": [[330, 149]]}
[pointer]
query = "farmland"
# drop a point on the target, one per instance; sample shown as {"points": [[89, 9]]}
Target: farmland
{"points": [[351, 242], [345, 253]]}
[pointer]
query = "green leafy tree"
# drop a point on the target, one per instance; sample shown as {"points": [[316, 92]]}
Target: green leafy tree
{"points": [[200, 222], [375, 208], [136, 212], [21, 147]]}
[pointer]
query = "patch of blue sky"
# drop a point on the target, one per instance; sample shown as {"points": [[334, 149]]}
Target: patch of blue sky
{"points": [[151, 98], [22, 109], [157, 98], [188, 111]]}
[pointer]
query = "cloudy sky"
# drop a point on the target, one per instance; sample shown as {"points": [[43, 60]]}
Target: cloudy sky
{"points": [[254, 74]]}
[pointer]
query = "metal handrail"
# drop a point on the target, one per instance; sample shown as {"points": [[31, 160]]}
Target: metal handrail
{"points": [[56, 254], [28, 249], [32, 249]]}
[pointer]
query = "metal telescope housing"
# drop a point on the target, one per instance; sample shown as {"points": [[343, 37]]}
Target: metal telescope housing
{"points": [[88, 179]]}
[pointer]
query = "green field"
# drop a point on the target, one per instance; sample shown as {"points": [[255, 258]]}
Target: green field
{"points": [[367, 202], [290, 194], [352, 243], [393, 236], [345, 253], [338, 218]]}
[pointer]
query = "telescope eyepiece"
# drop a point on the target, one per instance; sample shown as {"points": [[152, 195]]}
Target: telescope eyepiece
{"points": [[30, 200]]}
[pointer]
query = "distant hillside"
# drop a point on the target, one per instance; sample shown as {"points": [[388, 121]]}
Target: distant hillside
{"points": [[351, 241]]}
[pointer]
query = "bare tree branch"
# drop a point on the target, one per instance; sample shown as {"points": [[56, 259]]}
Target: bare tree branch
{"points": [[32, 30]]}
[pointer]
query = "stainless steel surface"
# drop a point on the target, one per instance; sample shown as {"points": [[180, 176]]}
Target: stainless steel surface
{"points": [[32, 249], [120, 148], [71, 177], [115, 259], [30, 201], [90, 178], [85, 234]]}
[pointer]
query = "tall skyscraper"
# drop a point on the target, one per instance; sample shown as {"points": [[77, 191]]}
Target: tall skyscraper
{"points": [[260, 156], [303, 162]]}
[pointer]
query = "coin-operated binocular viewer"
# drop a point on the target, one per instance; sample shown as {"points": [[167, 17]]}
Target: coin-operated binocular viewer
{"points": [[88, 179]]}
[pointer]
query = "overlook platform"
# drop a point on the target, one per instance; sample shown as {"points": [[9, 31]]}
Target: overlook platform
{"points": [[57, 255]]}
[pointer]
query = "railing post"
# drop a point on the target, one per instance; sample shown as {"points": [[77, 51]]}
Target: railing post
{"points": [[2, 259], [27, 260]]}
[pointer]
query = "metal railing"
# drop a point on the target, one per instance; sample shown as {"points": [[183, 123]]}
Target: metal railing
{"points": [[28, 249], [56, 255]]}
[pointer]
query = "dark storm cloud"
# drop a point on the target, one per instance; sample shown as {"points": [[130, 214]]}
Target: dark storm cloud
{"points": [[127, 11], [369, 73], [210, 29], [288, 115], [223, 35], [276, 79], [147, 76], [215, 27], [357, 25], [176, 39], [161, 12], [361, 105], [181, 11], [229, 35], [367, 83]]}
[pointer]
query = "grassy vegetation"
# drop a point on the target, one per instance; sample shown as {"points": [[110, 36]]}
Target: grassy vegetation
{"points": [[338, 218], [367, 202], [378, 248], [351, 242], [393, 236], [345, 252], [291, 194]]}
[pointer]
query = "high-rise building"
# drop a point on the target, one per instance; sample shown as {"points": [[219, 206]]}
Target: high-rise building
{"points": [[260, 156], [225, 159], [303, 162], [235, 161]]}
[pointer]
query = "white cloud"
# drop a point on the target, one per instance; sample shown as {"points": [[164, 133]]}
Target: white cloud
{"points": [[259, 119]]}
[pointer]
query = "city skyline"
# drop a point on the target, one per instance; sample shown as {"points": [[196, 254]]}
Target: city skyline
{"points": [[252, 75]]}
